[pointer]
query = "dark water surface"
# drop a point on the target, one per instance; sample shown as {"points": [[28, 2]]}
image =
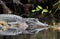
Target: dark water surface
{"points": [[46, 34]]}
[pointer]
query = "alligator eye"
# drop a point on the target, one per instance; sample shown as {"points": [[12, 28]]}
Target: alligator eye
{"points": [[34, 20], [9, 24], [2, 24]]}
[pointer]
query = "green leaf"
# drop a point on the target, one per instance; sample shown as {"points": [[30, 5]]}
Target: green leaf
{"points": [[33, 10], [39, 7], [44, 11]]}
